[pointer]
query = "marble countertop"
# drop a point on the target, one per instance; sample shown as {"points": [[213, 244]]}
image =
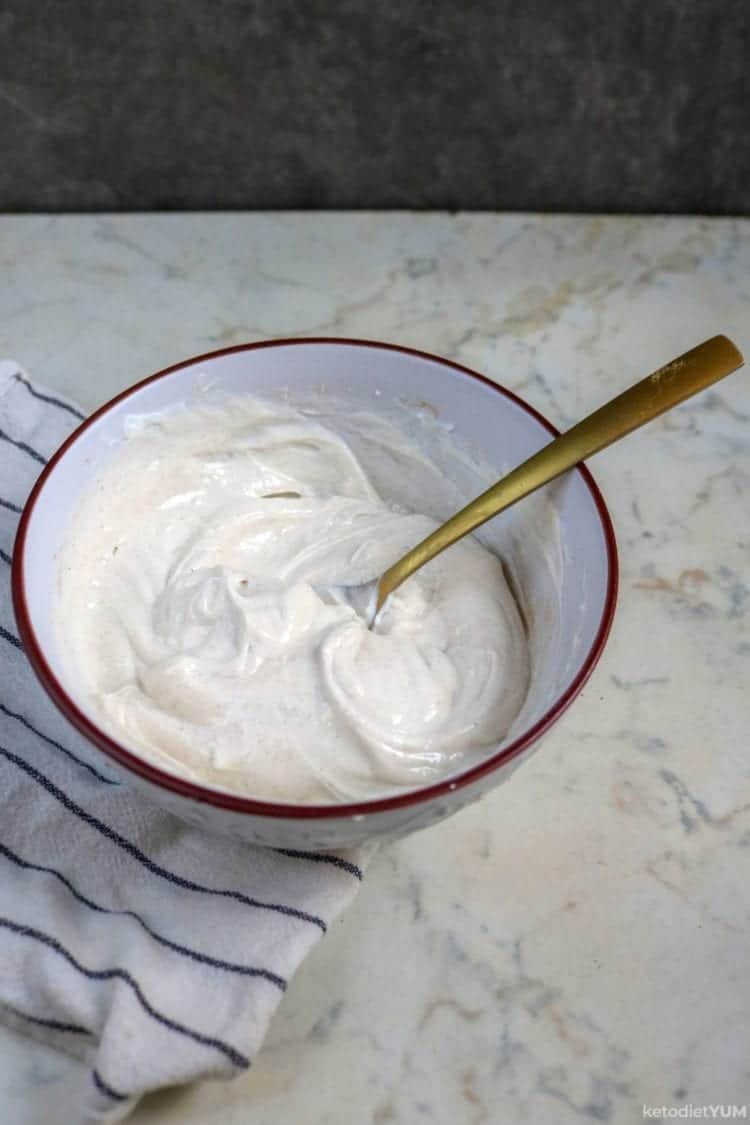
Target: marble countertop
{"points": [[575, 946]]}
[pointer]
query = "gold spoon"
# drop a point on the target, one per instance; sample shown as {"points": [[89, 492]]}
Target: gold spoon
{"points": [[683, 377]]}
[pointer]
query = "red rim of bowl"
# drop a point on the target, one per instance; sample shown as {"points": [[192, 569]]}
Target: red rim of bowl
{"points": [[240, 804]]}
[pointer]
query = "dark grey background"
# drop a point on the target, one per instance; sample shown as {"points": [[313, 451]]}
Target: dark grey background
{"points": [[584, 105]]}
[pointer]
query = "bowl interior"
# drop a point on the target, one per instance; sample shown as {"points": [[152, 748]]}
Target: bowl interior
{"points": [[555, 543]]}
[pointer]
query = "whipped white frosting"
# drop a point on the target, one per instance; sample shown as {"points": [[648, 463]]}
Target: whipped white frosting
{"points": [[194, 620]]}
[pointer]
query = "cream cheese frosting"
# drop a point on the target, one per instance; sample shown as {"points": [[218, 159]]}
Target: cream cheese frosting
{"points": [[194, 615]]}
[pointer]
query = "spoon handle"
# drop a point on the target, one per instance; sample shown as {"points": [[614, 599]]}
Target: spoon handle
{"points": [[663, 389]]}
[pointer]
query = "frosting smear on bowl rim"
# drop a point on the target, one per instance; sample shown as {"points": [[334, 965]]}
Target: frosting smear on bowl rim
{"points": [[194, 620]]}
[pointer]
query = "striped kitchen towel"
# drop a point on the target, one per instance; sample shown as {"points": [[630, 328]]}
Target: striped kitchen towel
{"points": [[151, 951]]}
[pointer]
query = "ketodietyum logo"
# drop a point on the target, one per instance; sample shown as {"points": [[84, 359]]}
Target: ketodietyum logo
{"points": [[695, 1112]]}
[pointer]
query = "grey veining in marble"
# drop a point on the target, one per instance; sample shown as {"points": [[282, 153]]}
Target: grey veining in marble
{"points": [[576, 945]]}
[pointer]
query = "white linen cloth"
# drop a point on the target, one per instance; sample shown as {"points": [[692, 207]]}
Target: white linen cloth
{"points": [[152, 951]]}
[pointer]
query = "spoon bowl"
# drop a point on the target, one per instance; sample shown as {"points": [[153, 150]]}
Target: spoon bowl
{"points": [[664, 388]]}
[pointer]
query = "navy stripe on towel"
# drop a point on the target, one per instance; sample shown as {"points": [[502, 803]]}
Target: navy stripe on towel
{"points": [[225, 1049], [323, 857], [10, 506], [48, 398], [142, 858], [193, 954], [52, 742], [23, 447], [10, 638], [56, 1025], [104, 1088], [4, 557]]}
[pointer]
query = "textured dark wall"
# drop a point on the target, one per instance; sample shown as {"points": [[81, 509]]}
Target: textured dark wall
{"points": [[585, 105]]}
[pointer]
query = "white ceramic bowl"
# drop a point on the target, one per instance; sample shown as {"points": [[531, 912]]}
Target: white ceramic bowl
{"points": [[497, 424]]}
